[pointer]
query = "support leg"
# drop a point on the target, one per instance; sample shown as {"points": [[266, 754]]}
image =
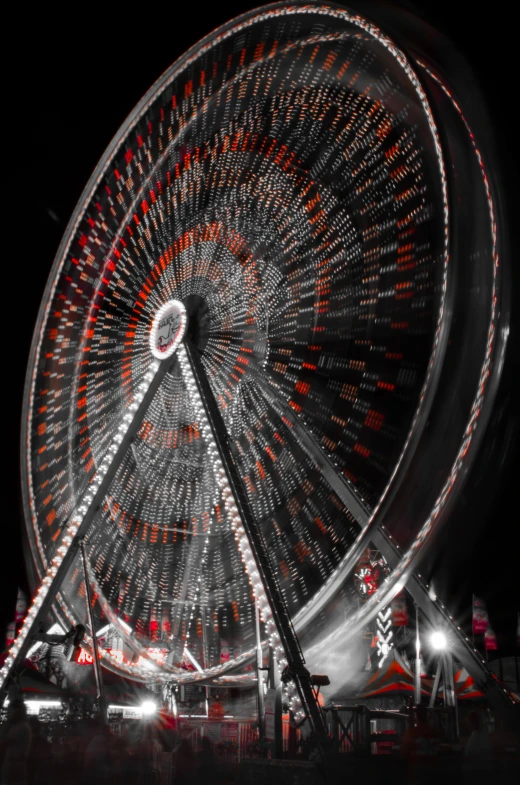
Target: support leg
{"points": [[417, 658], [259, 679], [296, 669], [95, 649], [436, 683], [82, 517]]}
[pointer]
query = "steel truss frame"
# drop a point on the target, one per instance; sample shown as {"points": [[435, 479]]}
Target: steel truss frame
{"points": [[372, 533], [76, 530], [296, 669]]}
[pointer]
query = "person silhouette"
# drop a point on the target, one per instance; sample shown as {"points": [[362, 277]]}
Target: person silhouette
{"points": [[420, 747], [207, 763], [41, 758], [15, 744], [184, 763]]}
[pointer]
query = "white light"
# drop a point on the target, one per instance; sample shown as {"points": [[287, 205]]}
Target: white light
{"points": [[56, 629], [168, 329], [34, 706], [148, 708], [438, 641]]}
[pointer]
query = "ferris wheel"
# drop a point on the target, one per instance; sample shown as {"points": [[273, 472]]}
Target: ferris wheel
{"points": [[246, 360]]}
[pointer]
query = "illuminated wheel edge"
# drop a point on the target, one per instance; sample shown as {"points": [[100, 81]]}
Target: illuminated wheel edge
{"points": [[83, 200]]}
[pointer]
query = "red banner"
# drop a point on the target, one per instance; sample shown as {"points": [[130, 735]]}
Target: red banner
{"points": [[21, 607], [399, 610], [490, 639], [10, 634], [480, 616]]}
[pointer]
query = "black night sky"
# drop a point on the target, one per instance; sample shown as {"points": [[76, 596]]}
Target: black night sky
{"points": [[76, 78]]}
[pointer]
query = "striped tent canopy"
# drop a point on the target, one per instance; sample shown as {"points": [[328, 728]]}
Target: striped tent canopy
{"points": [[393, 677], [465, 687]]}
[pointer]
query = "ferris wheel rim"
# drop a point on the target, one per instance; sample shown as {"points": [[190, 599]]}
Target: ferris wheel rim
{"points": [[209, 41], [169, 74]]}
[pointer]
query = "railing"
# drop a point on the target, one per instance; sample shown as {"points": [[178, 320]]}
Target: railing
{"points": [[352, 727]]}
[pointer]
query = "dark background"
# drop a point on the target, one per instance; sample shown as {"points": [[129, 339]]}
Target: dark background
{"points": [[76, 79]]}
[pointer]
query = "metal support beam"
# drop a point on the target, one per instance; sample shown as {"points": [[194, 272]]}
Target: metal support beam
{"points": [[436, 683], [275, 684], [449, 690], [80, 520], [371, 532], [438, 618], [417, 658], [289, 640], [95, 648], [259, 679]]}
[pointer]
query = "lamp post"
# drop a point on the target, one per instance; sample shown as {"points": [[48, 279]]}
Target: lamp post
{"points": [[439, 643], [417, 658]]}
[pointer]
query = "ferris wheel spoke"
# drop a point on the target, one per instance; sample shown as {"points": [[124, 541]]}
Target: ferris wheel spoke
{"points": [[85, 511]]}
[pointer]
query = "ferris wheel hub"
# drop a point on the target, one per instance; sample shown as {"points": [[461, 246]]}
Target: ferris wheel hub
{"points": [[168, 329]]}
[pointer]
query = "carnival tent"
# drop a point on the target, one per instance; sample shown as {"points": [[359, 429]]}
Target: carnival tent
{"points": [[465, 687], [394, 677]]}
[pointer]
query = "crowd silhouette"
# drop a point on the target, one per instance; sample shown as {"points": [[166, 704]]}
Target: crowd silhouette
{"points": [[94, 753], [152, 752]]}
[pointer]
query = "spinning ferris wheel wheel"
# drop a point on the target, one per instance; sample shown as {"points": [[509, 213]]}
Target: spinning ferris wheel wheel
{"points": [[246, 358]]}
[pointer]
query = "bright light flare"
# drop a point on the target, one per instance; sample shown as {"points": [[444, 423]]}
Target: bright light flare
{"points": [[148, 708], [439, 641]]}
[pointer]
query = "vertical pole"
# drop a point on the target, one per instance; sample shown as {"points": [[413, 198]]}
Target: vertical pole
{"points": [[259, 679], [197, 382], [417, 658], [365, 730], [448, 698], [449, 691], [173, 701], [291, 749], [436, 682], [276, 684], [97, 667], [81, 518], [410, 712], [205, 655], [334, 728]]}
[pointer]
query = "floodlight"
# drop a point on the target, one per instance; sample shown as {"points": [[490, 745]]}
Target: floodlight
{"points": [[439, 641]]}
